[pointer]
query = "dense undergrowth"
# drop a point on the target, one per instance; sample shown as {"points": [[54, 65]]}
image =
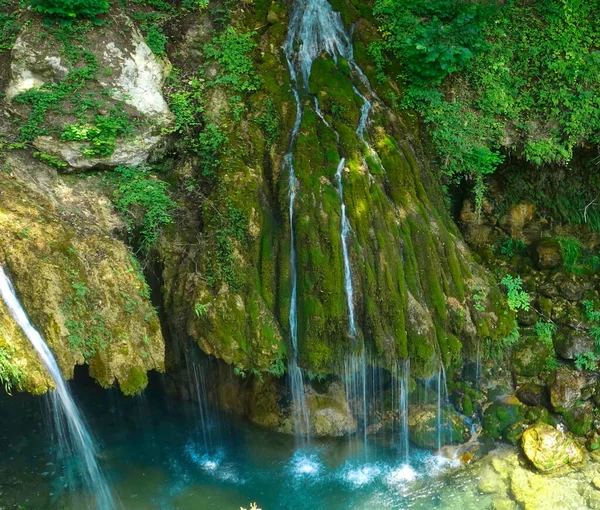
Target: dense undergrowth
{"points": [[497, 77]]}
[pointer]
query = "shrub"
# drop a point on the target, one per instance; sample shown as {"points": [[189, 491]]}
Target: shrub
{"points": [[70, 9], [518, 299]]}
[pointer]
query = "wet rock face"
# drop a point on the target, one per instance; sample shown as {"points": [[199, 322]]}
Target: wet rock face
{"points": [[127, 68], [548, 448], [329, 414], [423, 426]]}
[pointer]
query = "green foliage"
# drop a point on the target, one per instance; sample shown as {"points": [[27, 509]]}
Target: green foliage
{"points": [[9, 24], [518, 299], [510, 247], [570, 250], [239, 372], [231, 51], [144, 202], [156, 40], [70, 9], [209, 146], [479, 298], [194, 5], [49, 159], [517, 74], [88, 334], [201, 310], [593, 319], [544, 332], [278, 367], [10, 373], [102, 134], [552, 364], [435, 38], [586, 361], [269, 122]]}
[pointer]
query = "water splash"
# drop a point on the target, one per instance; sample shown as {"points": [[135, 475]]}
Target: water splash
{"points": [[71, 428]]}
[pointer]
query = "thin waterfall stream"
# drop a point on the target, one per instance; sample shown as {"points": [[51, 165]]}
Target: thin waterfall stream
{"points": [[65, 410]]}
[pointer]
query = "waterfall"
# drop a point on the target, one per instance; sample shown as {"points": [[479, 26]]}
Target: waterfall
{"points": [[66, 414], [442, 402], [209, 419], [344, 235], [404, 378]]}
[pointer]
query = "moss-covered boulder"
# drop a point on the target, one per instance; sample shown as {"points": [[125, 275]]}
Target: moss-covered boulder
{"points": [[530, 355], [81, 287], [572, 342], [548, 448], [579, 419], [329, 414], [504, 420], [423, 426], [547, 254]]}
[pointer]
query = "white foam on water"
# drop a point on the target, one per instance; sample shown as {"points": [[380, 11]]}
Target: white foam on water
{"points": [[401, 475], [361, 475], [304, 465]]}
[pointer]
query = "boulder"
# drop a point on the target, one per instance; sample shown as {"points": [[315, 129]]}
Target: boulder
{"points": [[533, 395], [546, 254], [423, 429], [571, 342], [130, 77], [567, 389], [504, 420], [329, 414], [530, 355], [548, 448], [579, 419]]}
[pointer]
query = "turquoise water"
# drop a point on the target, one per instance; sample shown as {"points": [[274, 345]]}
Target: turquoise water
{"points": [[156, 456]]}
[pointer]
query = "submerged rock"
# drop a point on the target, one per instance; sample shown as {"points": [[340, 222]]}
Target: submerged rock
{"points": [[548, 448]]}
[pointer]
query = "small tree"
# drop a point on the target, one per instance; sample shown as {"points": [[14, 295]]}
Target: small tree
{"points": [[70, 9]]}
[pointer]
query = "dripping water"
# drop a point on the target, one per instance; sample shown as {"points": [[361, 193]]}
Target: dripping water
{"points": [[72, 432]]}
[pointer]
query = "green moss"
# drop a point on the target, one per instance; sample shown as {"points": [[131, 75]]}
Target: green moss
{"points": [[135, 383]]}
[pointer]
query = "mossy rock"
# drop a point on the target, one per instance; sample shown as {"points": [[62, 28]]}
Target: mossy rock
{"points": [[548, 448], [423, 426], [501, 420]]}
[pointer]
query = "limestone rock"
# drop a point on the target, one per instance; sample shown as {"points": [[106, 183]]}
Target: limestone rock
{"points": [[129, 70], [548, 448], [533, 395], [547, 254], [329, 414], [571, 342], [75, 279], [566, 388], [422, 426], [530, 355]]}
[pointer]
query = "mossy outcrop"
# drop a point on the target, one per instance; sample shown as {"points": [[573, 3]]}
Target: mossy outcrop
{"points": [[227, 269], [81, 286]]}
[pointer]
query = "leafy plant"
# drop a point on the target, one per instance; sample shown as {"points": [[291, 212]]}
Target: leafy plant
{"points": [[201, 310], [70, 9], [586, 361], [269, 122], [155, 39], [231, 51], [11, 374], [479, 298], [278, 367], [544, 332], [145, 202], [518, 299]]}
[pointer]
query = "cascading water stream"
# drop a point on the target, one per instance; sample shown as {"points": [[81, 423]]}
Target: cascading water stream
{"points": [[65, 412], [344, 235]]}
